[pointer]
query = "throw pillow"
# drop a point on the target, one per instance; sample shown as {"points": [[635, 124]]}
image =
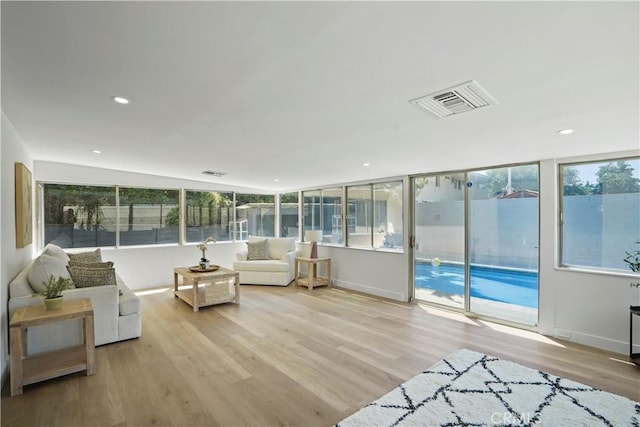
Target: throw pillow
{"points": [[44, 267], [83, 257], [91, 264], [258, 250], [56, 251], [85, 277]]}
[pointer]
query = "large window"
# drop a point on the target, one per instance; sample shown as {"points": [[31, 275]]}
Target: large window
{"points": [[289, 221], [374, 215], [322, 210], [255, 215], [79, 216], [311, 209], [599, 218], [207, 214], [332, 215], [145, 216], [359, 216], [388, 215]]}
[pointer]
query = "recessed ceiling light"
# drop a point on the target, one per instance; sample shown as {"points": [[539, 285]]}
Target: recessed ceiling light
{"points": [[365, 164], [120, 99], [276, 180], [565, 131], [96, 151]]}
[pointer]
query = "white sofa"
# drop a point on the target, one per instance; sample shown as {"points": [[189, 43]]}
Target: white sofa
{"points": [[277, 267], [116, 314]]}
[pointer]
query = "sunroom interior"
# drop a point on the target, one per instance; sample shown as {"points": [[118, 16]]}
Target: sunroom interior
{"points": [[297, 116]]}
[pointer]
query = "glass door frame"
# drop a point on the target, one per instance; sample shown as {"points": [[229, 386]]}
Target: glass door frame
{"points": [[467, 235], [412, 242]]}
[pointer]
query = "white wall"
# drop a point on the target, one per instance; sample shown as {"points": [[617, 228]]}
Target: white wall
{"points": [[375, 272], [591, 307], [143, 266], [152, 266], [13, 259]]}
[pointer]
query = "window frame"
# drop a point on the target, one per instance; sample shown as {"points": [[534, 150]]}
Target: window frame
{"points": [[371, 217], [281, 213], [184, 214], [560, 223], [119, 206], [182, 203], [318, 192]]}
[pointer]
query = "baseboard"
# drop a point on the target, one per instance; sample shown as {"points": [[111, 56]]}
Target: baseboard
{"points": [[371, 291], [615, 346], [602, 343]]}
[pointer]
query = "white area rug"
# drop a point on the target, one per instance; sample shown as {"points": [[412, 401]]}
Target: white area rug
{"points": [[473, 389]]}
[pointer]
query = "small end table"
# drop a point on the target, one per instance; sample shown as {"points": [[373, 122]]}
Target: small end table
{"points": [[43, 366], [312, 280]]}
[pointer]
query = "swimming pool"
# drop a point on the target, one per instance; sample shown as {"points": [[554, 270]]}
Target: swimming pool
{"points": [[510, 286]]}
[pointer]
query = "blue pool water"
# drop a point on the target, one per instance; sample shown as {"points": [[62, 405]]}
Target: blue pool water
{"points": [[509, 286]]}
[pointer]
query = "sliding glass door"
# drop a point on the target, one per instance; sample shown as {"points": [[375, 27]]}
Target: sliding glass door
{"points": [[502, 236], [438, 242], [475, 242]]}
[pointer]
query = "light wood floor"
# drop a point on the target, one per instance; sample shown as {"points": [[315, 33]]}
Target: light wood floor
{"points": [[284, 356]]}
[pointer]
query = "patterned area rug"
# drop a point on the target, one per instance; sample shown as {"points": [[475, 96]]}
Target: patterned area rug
{"points": [[473, 389]]}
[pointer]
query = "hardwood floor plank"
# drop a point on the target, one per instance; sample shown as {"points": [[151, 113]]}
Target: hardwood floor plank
{"points": [[285, 356]]}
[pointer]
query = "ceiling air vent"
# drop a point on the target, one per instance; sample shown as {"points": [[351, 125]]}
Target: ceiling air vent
{"points": [[214, 173], [455, 100]]}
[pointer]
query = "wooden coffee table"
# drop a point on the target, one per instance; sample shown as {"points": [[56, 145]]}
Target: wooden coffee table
{"points": [[207, 288], [43, 366]]}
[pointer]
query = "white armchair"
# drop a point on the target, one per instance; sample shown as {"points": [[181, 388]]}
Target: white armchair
{"points": [[271, 265]]}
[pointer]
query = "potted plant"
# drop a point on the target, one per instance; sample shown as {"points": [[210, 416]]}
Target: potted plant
{"points": [[633, 260], [204, 262], [52, 293]]}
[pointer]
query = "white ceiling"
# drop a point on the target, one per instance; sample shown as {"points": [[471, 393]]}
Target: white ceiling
{"points": [[306, 92]]}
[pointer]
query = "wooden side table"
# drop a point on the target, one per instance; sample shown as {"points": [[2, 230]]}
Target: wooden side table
{"points": [[43, 366], [216, 287], [312, 280]]}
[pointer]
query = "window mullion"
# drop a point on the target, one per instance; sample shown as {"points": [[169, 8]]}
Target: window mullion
{"points": [[117, 216]]}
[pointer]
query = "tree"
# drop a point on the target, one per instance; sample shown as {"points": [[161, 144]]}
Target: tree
{"points": [[173, 217], [572, 184], [616, 178], [204, 208], [243, 199], [289, 197], [88, 199]]}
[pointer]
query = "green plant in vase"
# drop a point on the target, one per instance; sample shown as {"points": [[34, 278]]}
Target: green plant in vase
{"points": [[633, 261], [52, 293]]}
